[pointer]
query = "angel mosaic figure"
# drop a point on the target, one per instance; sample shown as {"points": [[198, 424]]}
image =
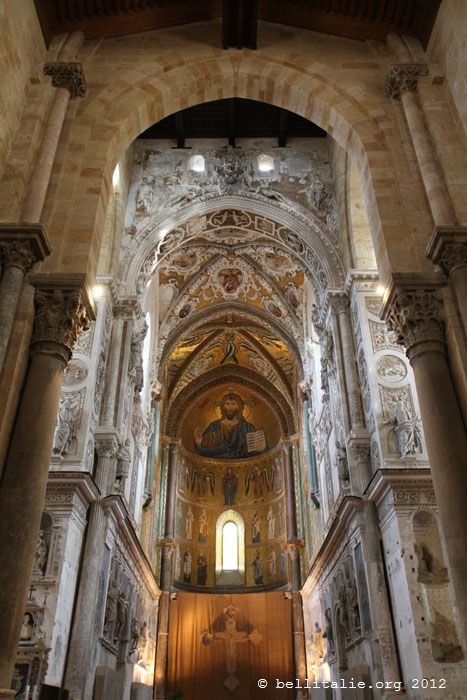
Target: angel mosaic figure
{"points": [[203, 477]]}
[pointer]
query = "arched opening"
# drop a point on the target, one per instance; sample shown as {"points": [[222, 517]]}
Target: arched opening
{"points": [[230, 549], [230, 546]]}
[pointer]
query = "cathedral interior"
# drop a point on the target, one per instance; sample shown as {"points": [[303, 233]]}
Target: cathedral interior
{"points": [[233, 357]]}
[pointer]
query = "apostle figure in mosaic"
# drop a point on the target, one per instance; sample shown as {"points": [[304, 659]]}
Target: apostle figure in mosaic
{"points": [[258, 569], [202, 570], [229, 485], [189, 523]]}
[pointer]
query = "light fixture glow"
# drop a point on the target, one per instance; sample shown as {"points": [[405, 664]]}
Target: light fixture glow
{"points": [[98, 291], [116, 178], [197, 164], [265, 163], [380, 289]]}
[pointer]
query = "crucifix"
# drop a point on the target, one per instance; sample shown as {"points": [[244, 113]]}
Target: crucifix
{"points": [[231, 636], [31, 591]]}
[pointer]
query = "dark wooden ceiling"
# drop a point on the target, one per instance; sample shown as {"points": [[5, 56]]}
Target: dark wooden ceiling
{"points": [[230, 120], [356, 19]]}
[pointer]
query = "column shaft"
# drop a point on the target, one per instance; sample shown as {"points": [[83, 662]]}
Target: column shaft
{"points": [[22, 497], [299, 637], [447, 448], [79, 677], [113, 374], [413, 308], [35, 195], [160, 676], [167, 545], [10, 290], [61, 316], [433, 180]]}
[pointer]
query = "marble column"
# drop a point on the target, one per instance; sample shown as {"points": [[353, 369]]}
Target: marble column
{"points": [[79, 676], [448, 249], [299, 640], [160, 673], [413, 309], [293, 542], [21, 247], [168, 540], [63, 309], [357, 439]]}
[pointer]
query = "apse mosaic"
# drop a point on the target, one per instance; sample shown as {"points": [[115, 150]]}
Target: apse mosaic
{"points": [[230, 422]]}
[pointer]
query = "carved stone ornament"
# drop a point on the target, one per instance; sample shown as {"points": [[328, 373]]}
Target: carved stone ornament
{"points": [[17, 255], [403, 77], [61, 317], [447, 248], [416, 317], [67, 75]]}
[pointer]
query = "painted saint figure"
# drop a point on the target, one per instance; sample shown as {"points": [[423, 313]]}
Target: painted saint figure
{"points": [[202, 570], [258, 569], [256, 528], [187, 567], [203, 526], [226, 438], [229, 485], [189, 524]]}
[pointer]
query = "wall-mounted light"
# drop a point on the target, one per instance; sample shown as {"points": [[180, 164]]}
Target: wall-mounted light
{"points": [[265, 163], [380, 290], [98, 291], [196, 163]]}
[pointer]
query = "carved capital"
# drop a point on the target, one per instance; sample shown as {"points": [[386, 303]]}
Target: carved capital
{"points": [[22, 246], [413, 310], [67, 75], [339, 302], [448, 248], [63, 310], [403, 77]]}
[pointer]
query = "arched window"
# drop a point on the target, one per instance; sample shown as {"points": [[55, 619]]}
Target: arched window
{"points": [[230, 547]]}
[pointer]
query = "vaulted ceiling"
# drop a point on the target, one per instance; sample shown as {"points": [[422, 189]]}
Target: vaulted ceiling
{"points": [[357, 19]]}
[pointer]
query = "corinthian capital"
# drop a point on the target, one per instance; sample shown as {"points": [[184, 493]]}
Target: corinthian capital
{"points": [[63, 310], [22, 246], [448, 248], [403, 77], [67, 75], [413, 310]]}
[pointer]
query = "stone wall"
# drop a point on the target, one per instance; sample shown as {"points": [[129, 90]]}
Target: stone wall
{"points": [[21, 49], [447, 46]]}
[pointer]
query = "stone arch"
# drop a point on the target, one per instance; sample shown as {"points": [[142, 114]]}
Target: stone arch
{"points": [[135, 99], [320, 257], [254, 316]]}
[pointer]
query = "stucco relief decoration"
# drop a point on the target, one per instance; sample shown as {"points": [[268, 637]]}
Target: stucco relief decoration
{"points": [[68, 423], [391, 368], [75, 373], [399, 412], [303, 180], [382, 338]]}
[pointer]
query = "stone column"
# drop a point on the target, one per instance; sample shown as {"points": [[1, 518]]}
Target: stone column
{"points": [[299, 641], [79, 676], [413, 309], [401, 83], [168, 541], [448, 248], [69, 80], [160, 673], [357, 440], [293, 542], [21, 247], [63, 309]]}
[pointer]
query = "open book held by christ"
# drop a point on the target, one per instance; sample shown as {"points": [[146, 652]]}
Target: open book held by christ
{"points": [[255, 441]]}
